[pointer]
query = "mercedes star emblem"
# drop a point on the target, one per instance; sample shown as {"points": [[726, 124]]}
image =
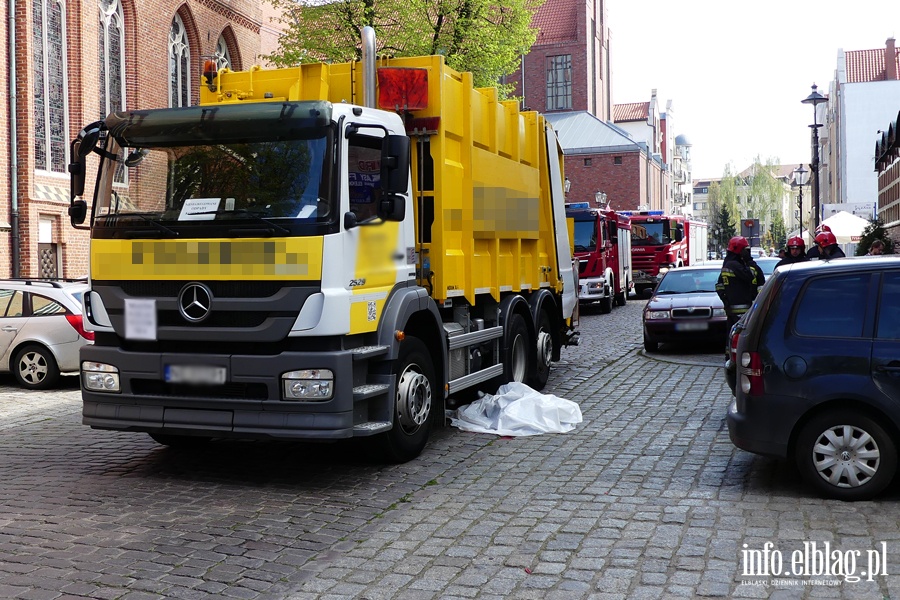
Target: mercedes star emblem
{"points": [[194, 302]]}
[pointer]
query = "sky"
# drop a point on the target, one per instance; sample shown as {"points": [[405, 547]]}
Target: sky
{"points": [[736, 71]]}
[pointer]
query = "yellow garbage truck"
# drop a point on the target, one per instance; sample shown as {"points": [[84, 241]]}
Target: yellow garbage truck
{"points": [[318, 253]]}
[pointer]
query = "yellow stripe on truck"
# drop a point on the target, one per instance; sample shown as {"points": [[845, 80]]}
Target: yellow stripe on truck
{"points": [[264, 258]]}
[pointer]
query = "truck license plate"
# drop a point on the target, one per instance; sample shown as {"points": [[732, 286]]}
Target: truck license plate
{"points": [[700, 326], [196, 374]]}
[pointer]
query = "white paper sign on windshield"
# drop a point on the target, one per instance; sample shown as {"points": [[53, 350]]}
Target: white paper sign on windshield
{"points": [[194, 209]]}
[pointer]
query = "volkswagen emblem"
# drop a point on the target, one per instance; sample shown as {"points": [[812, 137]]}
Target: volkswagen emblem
{"points": [[194, 302]]}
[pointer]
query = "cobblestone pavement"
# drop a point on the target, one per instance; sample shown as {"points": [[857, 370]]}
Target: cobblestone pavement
{"points": [[647, 498]]}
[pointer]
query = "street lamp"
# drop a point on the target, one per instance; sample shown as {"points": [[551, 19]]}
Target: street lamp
{"points": [[801, 176], [815, 98], [600, 199]]}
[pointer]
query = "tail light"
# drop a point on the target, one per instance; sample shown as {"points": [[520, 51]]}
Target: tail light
{"points": [[734, 343], [77, 323], [752, 374]]}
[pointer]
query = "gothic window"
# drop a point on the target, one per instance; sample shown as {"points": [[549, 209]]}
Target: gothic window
{"points": [[223, 58], [112, 60], [50, 105], [179, 65], [559, 82]]}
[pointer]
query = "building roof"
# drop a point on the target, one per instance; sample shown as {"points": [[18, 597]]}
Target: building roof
{"points": [[633, 111], [580, 132], [682, 140], [556, 21], [868, 65]]}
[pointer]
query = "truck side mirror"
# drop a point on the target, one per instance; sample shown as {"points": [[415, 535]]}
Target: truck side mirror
{"points": [[392, 207], [80, 148], [394, 165]]}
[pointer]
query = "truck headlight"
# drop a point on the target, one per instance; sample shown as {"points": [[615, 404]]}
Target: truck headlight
{"points": [[308, 385], [99, 377], [657, 314]]}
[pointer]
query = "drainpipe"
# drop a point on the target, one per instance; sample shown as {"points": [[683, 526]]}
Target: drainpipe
{"points": [[13, 142]]}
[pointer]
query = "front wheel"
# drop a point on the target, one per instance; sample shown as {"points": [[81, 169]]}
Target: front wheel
{"points": [[650, 345], [415, 390], [35, 368], [846, 455], [538, 379]]}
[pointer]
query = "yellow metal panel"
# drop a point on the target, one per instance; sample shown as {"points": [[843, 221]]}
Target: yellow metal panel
{"points": [[291, 258]]}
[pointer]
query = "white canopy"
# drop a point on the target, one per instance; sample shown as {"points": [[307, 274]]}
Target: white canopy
{"points": [[846, 227]]}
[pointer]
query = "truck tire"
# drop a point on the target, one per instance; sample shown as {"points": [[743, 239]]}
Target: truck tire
{"points": [[544, 355], [606, 302], [415, 389], [622, 297], [517, 355]]}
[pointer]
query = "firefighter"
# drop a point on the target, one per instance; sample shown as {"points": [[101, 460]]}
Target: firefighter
{"points": [[740, 279], [796, 252], [828, 246], [813, 252]]}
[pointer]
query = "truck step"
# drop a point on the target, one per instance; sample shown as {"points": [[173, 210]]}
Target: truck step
{"points": [[367, 352], [369, 390], [371, 427]]}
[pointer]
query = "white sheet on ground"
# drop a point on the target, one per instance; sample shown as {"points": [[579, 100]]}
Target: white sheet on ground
{"points": [[517, 410]]}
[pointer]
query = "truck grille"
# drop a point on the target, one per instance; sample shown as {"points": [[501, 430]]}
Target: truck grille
{"points": [[242, 391]]}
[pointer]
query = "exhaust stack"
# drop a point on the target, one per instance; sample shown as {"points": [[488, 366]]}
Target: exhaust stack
{"points": [[368, 64]]}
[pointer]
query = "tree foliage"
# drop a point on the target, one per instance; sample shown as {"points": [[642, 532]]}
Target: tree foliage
{"points": [[874, 231], [721, 227], [486, 37]]}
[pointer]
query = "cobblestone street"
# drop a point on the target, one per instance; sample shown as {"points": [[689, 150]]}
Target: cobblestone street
{"points": [[647, 498]]}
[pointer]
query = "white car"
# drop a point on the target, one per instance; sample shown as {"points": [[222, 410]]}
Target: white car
{"points": [[41, 329]]}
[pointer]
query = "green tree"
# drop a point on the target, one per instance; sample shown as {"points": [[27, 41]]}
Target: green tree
{"points": [[485, 37], [722, 228], [874, 231]]}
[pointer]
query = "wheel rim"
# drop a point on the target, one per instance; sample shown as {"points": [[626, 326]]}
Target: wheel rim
{"points": [[413, 399], [846, 456], [33, 367], [519, 359], [544, 348]]}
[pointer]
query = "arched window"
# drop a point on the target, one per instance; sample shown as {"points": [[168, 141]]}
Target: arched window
{"points": [[223, 59], [50, 105], [112, 57], [179, 65]]}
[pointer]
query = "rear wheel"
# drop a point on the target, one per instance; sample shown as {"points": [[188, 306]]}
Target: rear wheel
{"points": [[544, 356], [846, 455], [622, 297], [516, 359], [35, 368], [416, 387]]}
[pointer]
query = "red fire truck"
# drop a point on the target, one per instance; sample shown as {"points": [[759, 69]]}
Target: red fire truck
{"points": [[602, 240], [660, 241]]}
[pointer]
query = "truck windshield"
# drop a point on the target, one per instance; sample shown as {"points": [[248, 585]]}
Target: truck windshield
{"points": [[649, 233], [283, 179]]}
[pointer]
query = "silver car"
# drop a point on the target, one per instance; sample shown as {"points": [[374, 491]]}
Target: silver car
{"points": [[41, 329]]}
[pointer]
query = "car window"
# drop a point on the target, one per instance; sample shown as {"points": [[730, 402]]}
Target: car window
{"points": [[11, 303], [833, 306], [41, 306], [889, 312], [679, 282]]}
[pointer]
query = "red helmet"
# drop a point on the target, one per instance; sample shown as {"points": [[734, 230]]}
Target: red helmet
{"points": [[826, 238], [796, 242], [822, 227], [737, 244]]}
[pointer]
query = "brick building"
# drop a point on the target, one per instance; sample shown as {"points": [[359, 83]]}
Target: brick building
{"points": [[887, 166], [567, 77], [74, 63]]}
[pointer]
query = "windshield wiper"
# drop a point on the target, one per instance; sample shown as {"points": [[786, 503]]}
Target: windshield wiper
{"points": [[246, 213], [146, 218]]}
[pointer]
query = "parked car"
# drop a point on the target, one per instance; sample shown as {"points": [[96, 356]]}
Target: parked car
{"points": [[685, 307], [41, 329], [818, 377], [767, 264]]}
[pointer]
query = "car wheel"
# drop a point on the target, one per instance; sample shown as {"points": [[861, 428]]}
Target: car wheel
{"points": [[180, 442], [35, 368], [846, 455], [650, 345], [541, 373], [415, 402]]}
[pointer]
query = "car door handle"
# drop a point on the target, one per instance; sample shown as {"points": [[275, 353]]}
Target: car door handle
{"points": [[889, 368], [9, 328]]}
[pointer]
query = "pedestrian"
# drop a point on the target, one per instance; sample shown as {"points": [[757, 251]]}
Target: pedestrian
{"points": [[876, 248], [828, 246], [739, 280], [761, 253], [796, 252], [782, 252]]}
